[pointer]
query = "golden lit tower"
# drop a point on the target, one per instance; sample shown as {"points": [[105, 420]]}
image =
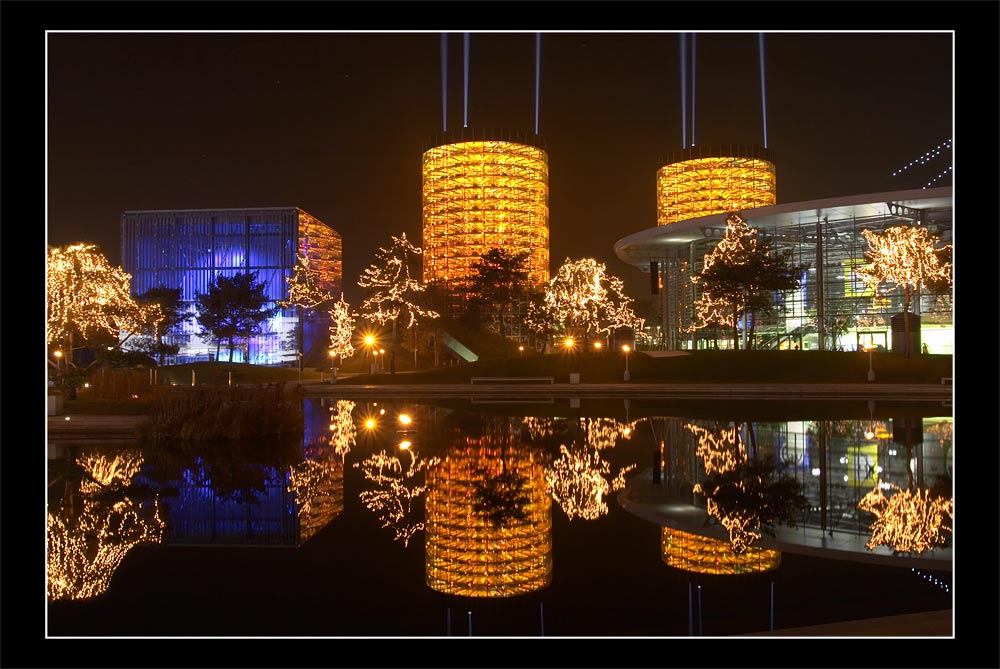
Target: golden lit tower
{"points": [[703, 555], [706, 180], [473, 555], [482, 192]]}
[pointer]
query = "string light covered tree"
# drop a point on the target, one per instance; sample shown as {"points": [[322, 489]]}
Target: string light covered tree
{"points": [[88, 299], [741, 277], [87, 296], [583, 295], [341, 331], [305, 293], [393, 296], [906, 257]]}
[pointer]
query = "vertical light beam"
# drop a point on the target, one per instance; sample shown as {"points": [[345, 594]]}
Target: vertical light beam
{"points": [[444, 82], [465, 41], [538, 74], [693, 55], [763, 92], [684, 131]]}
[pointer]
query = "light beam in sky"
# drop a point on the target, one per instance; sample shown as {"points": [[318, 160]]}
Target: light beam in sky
{"points": [[444, 82]]}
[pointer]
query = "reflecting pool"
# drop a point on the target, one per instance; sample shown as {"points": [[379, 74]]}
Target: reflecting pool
{"points": [[558, 517]]}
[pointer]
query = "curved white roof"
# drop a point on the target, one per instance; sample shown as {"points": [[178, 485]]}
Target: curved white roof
{"points": [[641, 247]]}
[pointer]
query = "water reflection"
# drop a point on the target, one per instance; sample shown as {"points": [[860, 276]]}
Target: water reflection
{"points": [[483, 488], [702, 555], [395, 490], [489, 518], [92, 528]]}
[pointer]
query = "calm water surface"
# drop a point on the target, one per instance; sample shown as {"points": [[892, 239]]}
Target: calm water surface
{"points": [[402, 518]]}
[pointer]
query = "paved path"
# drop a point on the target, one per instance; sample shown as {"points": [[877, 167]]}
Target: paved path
{"points": [[785, 391]]}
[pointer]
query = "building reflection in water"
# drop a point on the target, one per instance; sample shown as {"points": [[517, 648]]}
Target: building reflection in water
{"points": [[885, 479], [318, 481], [703, 555], [477, 554], [95, 526]]}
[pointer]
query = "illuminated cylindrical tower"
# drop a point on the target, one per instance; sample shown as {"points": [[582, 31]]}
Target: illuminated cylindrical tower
{"points": [[482, 192], [468, 554], [703, 555], [701, 181]]}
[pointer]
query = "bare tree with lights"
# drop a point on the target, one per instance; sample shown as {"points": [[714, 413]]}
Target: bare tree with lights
{"points": [[906, 257], [341, 331], [305, 293], [583, 295], [740, 278], [393, 296]]}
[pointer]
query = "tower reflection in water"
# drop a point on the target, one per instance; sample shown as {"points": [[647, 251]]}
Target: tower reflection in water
{"points": [[489, 517]]}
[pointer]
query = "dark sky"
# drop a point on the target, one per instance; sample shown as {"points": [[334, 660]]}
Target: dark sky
{"points": [[335, 123]]}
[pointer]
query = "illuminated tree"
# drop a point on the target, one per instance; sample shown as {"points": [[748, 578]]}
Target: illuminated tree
{"points": [[498, 283], [905, 257], [341, 329], [393, 296], [233, 307], [305, 293], [583, 295], [908, 521], [740, 278], [88, 297]]}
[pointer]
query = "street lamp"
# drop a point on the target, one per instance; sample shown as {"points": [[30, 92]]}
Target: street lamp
{"points": [[374, 365], [597, 346], [381, 361], [333, 366], [520, 351], [626, 349], [369, 342], [871, 371]]}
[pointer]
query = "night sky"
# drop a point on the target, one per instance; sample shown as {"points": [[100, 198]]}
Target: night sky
{"points": [[335, 123]]}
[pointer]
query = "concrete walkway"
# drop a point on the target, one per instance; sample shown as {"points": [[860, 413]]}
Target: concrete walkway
{"points": [[784, 391]]}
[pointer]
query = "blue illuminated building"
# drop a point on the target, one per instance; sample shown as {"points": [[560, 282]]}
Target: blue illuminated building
{"points": [[189, 248]]}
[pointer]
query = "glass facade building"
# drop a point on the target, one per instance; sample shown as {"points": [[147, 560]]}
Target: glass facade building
{"points": [[188, 249], [833, 309]]}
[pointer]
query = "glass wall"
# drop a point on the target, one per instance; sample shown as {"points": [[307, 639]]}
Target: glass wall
{"points": [[188, 249]]}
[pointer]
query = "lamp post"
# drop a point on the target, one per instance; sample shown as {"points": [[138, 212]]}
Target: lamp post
{"points": [[333, 367], [381, 360], [369, 342], [871, 370], [597, 346], [870, 432], [626, 349], [520, 351]]}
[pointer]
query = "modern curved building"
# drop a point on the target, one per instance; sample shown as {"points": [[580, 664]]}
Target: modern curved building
{"points": [[833, 309], [482, 191]]}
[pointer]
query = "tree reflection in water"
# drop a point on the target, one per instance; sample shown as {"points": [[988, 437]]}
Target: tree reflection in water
{"points": [[88, 540], [395, 491], [743, 493]]}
